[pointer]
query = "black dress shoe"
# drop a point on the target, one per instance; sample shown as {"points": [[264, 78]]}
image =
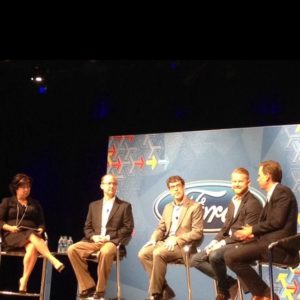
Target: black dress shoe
{"points": [[156, 297], [99, 295], [88, 292], [168, 293], [223, 296]]}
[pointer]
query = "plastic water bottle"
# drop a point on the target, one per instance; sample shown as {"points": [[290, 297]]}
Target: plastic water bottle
{"points": [[60, 245], [64, 244], [69, 242]]}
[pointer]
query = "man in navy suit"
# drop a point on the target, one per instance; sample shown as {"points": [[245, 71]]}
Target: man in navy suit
{"points": [[277, 220], [109, 222], [243, 209]]}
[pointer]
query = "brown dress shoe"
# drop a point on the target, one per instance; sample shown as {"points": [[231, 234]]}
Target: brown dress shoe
{"points": [[87, 293], [276, 297]]}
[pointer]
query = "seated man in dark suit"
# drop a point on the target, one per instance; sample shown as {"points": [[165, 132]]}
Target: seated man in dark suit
{"points": [[277, 220], [243, 209], [108, 223]]}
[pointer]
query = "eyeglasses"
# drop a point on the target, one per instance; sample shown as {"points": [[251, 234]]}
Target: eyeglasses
{"points": [[175, 185], [109, 183]]}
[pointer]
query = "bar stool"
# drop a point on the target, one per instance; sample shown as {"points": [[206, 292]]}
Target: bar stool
{"points": [[186, 263], [292, 245], [121, 254], [46, 273]]}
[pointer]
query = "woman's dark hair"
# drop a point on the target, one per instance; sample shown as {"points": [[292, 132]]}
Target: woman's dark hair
{"points": [[19, 180]]}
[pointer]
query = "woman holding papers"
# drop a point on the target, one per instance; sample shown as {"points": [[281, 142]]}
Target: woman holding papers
{"points": [[22, 224]]}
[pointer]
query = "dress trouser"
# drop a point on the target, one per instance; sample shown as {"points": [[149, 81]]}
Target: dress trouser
{"points": [[154, 260], [239, 259], [213, 266], [78, 253]]}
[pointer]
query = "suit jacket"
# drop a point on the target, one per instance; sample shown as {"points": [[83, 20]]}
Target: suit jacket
{"points": [[277, 220], [119, 225], [248, 213], [190, 224]]}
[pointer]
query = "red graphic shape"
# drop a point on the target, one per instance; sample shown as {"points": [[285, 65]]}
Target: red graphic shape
{"points": [[140, 163], [129, 138], [117, 164], [112, 151]]}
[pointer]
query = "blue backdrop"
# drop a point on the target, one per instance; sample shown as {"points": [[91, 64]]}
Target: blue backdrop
{"points": [[205, 159]]}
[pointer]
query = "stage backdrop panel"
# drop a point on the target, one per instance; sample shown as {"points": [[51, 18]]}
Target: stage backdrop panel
{"points": [[205, 159]]}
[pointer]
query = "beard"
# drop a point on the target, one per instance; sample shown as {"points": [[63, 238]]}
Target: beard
{"points": [[240, 191]]}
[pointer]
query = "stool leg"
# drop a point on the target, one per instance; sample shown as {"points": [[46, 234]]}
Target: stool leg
{"points": [[119, 290], [48, 276], [240, 290], [118, 263], [271, 273], [215, 286], [45, 280], [260, 269], [188, 277]]}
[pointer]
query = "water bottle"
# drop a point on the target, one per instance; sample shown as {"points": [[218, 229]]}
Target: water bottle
{"points": [[69, 242], [64, 244], [60, 245]]}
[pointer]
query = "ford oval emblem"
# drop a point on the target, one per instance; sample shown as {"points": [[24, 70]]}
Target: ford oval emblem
{"points": [[214, 195]]}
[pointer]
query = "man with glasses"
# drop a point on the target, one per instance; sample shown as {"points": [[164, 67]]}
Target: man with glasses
{"points": [[181, 224], [109, 222]]}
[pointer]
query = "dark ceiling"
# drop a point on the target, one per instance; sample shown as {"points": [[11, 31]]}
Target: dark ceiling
{"points": [[117, 96]]}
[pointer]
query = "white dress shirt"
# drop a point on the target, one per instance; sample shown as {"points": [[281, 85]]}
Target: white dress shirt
{"points": [[175, 219], [106, 209]]}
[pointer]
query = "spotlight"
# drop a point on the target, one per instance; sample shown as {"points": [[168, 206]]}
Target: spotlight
{"points": [[39, 79], [39, 75]]}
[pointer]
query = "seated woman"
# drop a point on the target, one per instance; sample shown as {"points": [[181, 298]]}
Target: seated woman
{"points": [[18, 214]]}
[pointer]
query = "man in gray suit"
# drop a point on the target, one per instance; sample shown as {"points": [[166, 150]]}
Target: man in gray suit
{"points": [[181, 224], [109, 222], [277, 220], [243, 209]]}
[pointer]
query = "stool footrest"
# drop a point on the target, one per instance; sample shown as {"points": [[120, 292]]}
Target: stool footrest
{"points": [[11, 293]]}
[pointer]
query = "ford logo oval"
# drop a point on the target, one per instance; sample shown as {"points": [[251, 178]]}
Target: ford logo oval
{"points": [[214, 195]]}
